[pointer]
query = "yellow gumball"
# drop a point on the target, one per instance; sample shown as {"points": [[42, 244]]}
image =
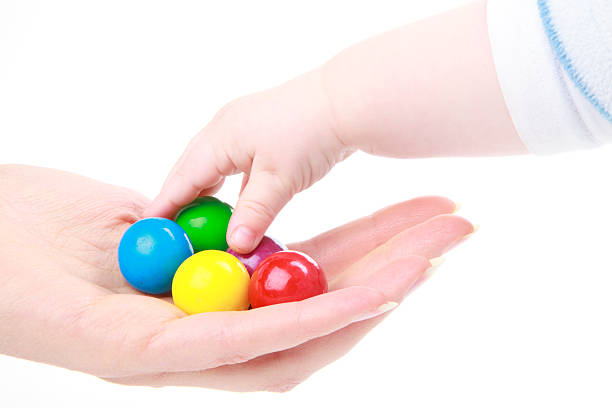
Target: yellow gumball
{"points": [[211, 281]]}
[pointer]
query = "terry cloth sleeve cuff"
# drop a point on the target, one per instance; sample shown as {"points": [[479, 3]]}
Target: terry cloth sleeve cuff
{"points": [[554, 63]]}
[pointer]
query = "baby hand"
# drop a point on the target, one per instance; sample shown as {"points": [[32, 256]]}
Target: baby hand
{"points": [[283, 140], [426, 89]]}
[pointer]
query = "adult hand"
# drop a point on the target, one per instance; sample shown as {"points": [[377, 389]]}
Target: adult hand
{"points": [[63, 300]]}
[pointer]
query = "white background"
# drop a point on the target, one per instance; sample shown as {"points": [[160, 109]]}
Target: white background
{"points": [[518, 316]]}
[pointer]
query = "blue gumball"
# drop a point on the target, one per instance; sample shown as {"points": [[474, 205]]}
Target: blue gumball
{"points": [[150, 252]]}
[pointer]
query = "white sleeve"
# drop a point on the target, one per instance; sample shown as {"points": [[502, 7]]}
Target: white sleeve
{"points": [[554, 63]]}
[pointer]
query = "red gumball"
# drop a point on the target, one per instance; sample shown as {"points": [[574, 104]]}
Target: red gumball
{"points": [[286, 276]]}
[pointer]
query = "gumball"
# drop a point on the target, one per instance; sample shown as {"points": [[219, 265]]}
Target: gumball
{"points": [[205, 222], [211, 281], [266, 247], [150, 251], [286, 276]]}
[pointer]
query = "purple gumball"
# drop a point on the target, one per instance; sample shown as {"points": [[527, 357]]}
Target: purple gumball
{"points": [[266, 247]]}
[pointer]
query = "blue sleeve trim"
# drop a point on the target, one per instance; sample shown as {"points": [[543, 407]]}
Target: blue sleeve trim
{"points": [[566, 61]]}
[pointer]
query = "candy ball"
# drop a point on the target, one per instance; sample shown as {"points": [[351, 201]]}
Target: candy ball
{"points": [[211, 281], [205, 222], [150, 251], [286, 276], [266, 247]]}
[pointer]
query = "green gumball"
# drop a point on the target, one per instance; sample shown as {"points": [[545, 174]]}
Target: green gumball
{"points": [[205, 222]]}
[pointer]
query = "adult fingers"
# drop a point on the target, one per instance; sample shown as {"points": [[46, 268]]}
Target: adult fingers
{"points": [[336, 249], [429, 240], [388, 269], [277, 371], [213, 339]]}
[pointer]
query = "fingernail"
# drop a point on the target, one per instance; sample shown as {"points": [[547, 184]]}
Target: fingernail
{"points": [[242, 238], [435, 264], [382, 309], [475, 227], [385, 307], [458, 206]]}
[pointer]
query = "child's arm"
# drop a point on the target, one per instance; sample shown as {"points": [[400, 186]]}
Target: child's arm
{"points": [[428, 89]]}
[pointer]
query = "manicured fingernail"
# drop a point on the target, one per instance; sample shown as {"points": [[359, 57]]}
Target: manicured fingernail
{"points": [[382, 309], [475, 227], [385, 307], [457, 207], [435, 262], [242, 238]]}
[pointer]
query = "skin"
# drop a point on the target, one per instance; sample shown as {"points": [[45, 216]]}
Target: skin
{"points": [[426, 89], [63, 300]]}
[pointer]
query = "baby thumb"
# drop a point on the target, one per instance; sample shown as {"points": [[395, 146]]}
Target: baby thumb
{"points": [[264, 195]]}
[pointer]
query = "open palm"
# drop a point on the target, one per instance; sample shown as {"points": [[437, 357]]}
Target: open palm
{"points": [[63, 300]]}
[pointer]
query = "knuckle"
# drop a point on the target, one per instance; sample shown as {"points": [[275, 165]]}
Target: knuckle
{"points": [[302, 323], [185, 177], [228, 340], [230, 360], [285, 187], [263, 209], [279, 190], [229, 111]]}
